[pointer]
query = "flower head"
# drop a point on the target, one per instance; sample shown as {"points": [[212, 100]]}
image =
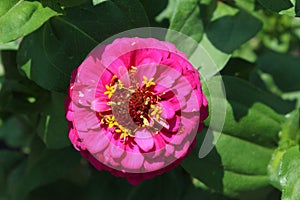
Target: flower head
{"points": [[135, 107]]}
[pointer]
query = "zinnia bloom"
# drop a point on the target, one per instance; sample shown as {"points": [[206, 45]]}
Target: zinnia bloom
{"points": [[135, 107]]}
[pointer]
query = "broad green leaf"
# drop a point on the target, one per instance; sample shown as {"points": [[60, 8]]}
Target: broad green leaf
{"points": [[8, 159], [49, 55], [18, 94], [19, 18], [194, 193], [239, 162], [14, 45], [167, 13], [171, 185], [111, 187], [290, 134], [289, 174], [293, 10], [297, 8], [283, 68], [208, 10], [239, 68], [59, 190], [16, 131], [289, 137], [223, 10], [42, 167], [279, 74], [249, 106], [233, 167], [9, 64], [186, 19], [70, 3], [210, 59], [230, 32], [276, 5], [52, 126], [96, 2], [285, 170], [247, 5], [153, 9]]}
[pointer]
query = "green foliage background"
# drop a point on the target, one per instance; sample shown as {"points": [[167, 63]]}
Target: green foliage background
{"points": [[255, 45]]}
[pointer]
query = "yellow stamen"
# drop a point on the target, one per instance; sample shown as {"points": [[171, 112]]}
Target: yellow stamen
{"points": [[156, 111], [149, 82], [120, 84], [110, 90], [145, 121]]}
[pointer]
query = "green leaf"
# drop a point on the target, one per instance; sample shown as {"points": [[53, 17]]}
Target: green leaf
{"points": [[283, 68], [233, 167], [297, 8], [194, 193], [278, 74], [208, 59], [249, 106], [8, 160], [42, 167], [289, 174], [289, 138], [236, 29], [238, 164], [285, 170], [14, 45], [186, 19], [52, 125], [70, 3], [59, 190], [239, 68], [19, 18], [18, 94], [276, 5], [171, 185], [153, 9], [96, 2], [16, 131], [49, 55]]}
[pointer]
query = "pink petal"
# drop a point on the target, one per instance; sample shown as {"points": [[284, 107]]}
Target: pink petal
{"points": [[133, 161], [154, 165], [144, 139], [116, 151], [85, 119], [95, 141], [148, 70], [168, 110], [182, 150], [169, 150], [100, 105]]}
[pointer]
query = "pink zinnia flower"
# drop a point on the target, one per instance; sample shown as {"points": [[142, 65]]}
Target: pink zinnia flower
{"points": [[135, 107]]}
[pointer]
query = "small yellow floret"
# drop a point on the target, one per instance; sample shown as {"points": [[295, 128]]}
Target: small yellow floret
{"points": [[149, 82], [110, 90], [156, 111]]}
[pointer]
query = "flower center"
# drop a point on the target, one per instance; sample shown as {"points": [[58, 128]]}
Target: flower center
{"points": [[132, 106]]}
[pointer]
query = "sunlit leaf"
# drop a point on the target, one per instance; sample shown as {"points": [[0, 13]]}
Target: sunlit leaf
{"points": [[19, 18]]}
